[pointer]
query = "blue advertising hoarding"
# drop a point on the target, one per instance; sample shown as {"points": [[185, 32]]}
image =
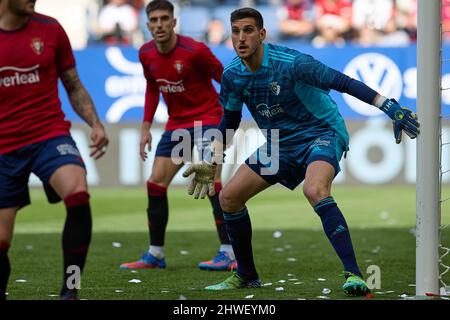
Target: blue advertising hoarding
{"points": [[113, 76]]}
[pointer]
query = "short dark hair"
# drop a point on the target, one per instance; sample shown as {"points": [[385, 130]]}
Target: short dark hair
{"points": [[243, 13], [159, 5]]}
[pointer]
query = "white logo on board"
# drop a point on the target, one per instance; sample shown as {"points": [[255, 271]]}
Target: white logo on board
{"points": [[378, 72], [128, 88]]}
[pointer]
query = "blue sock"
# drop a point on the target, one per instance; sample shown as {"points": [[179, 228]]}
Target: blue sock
{"points": [[239, 230], [337, 232]]}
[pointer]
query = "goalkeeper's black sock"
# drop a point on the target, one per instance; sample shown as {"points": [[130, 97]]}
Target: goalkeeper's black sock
{"points": [[218, 215], [5, 269], [75, 240], [239, 230], [157, 213], [336, 229]]}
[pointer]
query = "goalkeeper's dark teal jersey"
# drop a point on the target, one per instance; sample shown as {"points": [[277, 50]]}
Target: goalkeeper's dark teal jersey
{"points": [[288, 92]]}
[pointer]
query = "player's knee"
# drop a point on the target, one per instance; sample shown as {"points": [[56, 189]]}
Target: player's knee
{"points": [[156, 189], [158, 179], [229, 202], [315, 192]]}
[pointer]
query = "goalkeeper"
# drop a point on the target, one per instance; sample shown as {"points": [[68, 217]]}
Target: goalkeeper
{"points": [[286, 91]]}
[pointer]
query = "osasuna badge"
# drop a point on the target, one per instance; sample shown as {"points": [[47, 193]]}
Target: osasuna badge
{"points": [[37, 45], [178, 65], [275, 88]]}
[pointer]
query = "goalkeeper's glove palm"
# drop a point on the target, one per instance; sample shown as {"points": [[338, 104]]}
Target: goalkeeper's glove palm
{"points": [[203, 181], [403, 119]]}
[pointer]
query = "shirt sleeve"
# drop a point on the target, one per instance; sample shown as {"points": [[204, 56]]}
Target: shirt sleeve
{"points": [[313, 72], [229, 98], [207, 62], [64, 55], [151, 93]]}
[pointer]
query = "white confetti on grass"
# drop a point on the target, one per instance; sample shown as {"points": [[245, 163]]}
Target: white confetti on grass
{"points": [[184, 252], [298, 282], [384, 215], [135, 281], [376, 250], [249, 296], [267, 284], [323, 297], [165, 291], [29, 247], [321, 279], [290, 275], [281, 281], [118, 291], [293, 279], [21, 280], [53, 295], [278, 250], [291, 259], [181, 297], [116, 244], [279, 289], [326, 291], [411, 285], [277, 234], [134, 271]]}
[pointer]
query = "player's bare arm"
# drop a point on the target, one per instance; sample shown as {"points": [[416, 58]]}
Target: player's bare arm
{"points": [[146, 140], [83, 105]]}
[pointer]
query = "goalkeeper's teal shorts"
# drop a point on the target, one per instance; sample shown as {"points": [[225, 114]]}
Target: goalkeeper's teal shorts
{"points": [[287, 165]]}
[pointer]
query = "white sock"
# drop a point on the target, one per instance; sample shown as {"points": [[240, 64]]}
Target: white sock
{"points": [[157, 251], [228, 249]]}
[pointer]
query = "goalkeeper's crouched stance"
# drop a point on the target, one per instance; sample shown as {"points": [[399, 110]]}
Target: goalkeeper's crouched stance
{"points": [[286, 91]]}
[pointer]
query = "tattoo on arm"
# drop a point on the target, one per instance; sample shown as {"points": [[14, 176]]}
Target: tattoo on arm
{"points": [[79, 98]]}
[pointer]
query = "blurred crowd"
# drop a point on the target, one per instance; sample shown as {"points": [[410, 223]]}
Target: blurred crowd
{"points": [[317, 22]]}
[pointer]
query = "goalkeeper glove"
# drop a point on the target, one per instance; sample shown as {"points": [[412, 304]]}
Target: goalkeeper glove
{"points": [[203, 181], [403, 119], [204, 172]]}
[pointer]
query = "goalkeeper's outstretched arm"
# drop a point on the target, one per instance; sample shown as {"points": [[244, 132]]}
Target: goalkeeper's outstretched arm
{"points": [[404, 120]]}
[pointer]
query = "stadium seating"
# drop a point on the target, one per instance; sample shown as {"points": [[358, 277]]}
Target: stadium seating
{"points": [[194, 21]]}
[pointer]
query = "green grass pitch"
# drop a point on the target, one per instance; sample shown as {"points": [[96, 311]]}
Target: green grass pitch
{"points": [[301, 261]]}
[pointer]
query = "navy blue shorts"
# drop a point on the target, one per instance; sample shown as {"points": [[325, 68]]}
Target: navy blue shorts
{"points": [[180, 142], [289, 168], [41, 158]]}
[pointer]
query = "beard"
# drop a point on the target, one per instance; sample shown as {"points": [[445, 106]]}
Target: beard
{"points": [[18, 8]]}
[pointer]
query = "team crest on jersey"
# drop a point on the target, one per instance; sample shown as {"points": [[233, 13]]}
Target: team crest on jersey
{"points": [[37, 45], [178, 65], [275, 88]]}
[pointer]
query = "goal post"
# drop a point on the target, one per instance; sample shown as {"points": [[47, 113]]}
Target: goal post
{"points": [[428, 146]]}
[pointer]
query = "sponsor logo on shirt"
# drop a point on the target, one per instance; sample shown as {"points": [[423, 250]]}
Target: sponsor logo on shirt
{"points": [[21, 76], [166, 86], [37, 45], [268, 112]]}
